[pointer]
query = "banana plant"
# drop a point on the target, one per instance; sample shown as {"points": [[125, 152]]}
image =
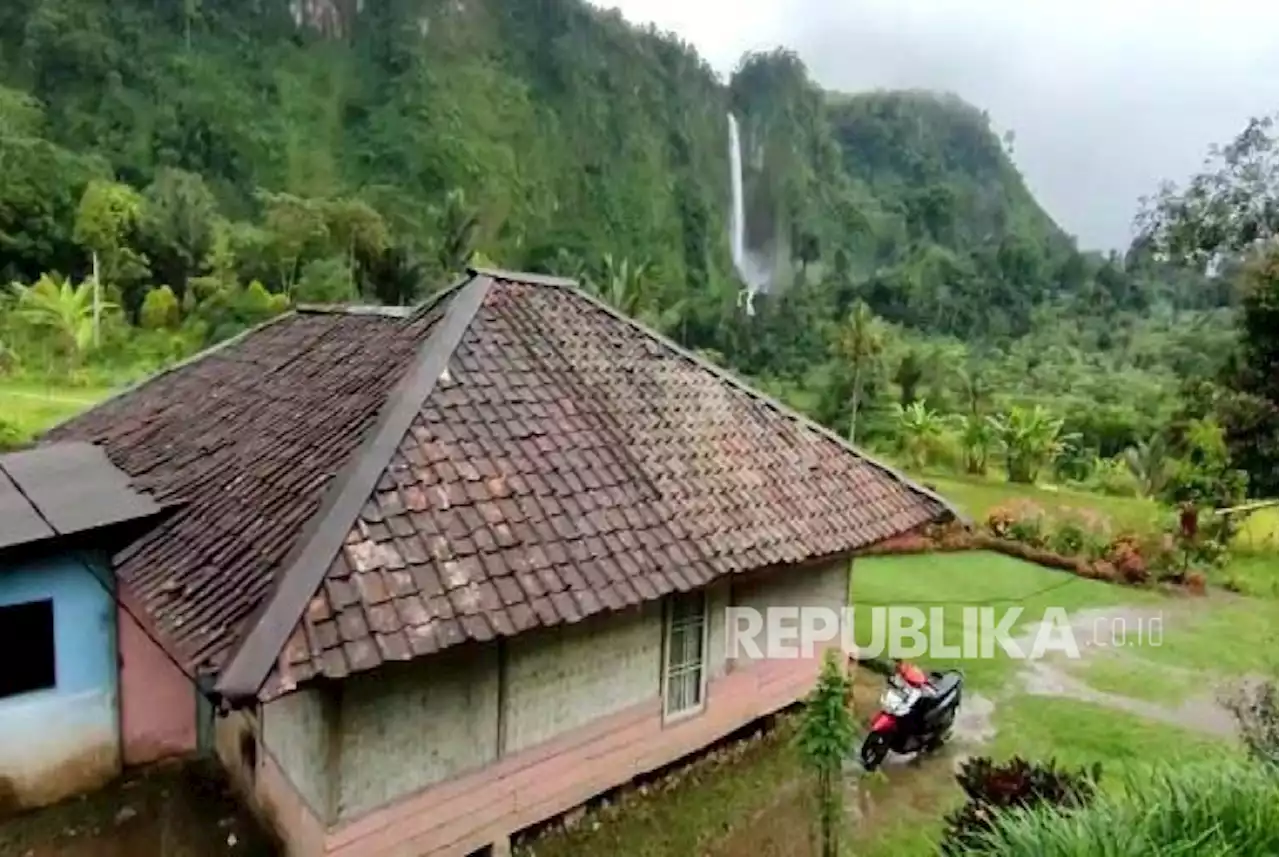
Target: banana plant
{"points": [[64, 309], [920, 432], [1148, 461], [1030, 439]]}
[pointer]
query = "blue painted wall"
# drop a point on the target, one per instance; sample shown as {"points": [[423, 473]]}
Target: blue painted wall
{"points": [[62, 740]]}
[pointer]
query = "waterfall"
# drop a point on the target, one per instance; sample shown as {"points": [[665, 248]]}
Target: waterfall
{"points": [[754, 274], [738, 224]]}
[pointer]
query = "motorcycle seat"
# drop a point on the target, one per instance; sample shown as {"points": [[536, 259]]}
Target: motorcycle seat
{"points": [[944, 683]]}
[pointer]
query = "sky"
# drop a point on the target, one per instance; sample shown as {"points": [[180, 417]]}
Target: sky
{"points": [[1106, 98]]}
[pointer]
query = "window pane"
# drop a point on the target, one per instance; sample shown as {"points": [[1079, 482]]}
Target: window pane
{"points": [[692, 682], [679, 646], [27, 629], [675, 694], [693, 644], [686, 625], [687, 605]]}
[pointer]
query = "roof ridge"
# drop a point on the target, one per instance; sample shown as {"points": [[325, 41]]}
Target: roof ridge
{"points": [[394, 311], [303, 569], [527, 277], [740, 385]]}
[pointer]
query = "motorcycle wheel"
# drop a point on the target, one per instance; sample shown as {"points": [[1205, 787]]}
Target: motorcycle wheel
{"points": [[874, 750]]}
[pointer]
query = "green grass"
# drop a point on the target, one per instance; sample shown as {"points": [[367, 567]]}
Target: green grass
{"points": [[1081, 733], [32, 407], [1223, 634], [683, 818], [948, 582], [1140, 680], [1250, 573]]}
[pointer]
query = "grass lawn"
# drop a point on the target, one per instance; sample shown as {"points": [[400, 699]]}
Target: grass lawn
{"points": [[1081, 733], [32, 407], [1140, 679], [949, 582]]}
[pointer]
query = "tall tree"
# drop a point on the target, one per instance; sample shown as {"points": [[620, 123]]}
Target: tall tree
{"points": [[1227, 213], [860, 344], [105, 221]]}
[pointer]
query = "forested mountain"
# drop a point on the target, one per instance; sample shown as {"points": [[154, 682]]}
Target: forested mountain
{"points": [[221, 158], [528, 131]]}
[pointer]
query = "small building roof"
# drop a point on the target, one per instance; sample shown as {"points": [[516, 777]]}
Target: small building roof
{"points": [[64, 489], [363, 487]]}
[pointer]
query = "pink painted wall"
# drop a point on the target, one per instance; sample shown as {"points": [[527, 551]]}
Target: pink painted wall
{"points": [[157, 700]]}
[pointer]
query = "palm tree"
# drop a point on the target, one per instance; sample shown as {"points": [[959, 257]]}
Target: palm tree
{"points": [[861, 342], [1029, 438], [1148, 462], [66, 310], [920, 432]]}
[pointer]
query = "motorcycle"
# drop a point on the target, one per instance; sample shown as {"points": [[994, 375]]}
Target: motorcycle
{"points": [[917, 712]]}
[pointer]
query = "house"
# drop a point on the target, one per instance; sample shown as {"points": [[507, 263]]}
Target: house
{"points": [[450, 571], [63, 509]]}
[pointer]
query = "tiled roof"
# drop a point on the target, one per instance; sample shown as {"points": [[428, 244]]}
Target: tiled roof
{"points": [[542, 459], [249, 435]]}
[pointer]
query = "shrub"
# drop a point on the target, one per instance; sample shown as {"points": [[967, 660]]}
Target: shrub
{"points": [[1020, 521], [1160, 550], [999, 521], [1226, 806], [1080, 532], [1112, 476], [1125, 554], [1067, 537], [160, 310], [1257, 712], [995, 789]]}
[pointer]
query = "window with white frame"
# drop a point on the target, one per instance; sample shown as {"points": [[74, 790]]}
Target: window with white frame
{"points": [[685, 653]]}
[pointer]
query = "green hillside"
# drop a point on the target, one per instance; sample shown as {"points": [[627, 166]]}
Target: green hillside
{"points": [[222, 160]]}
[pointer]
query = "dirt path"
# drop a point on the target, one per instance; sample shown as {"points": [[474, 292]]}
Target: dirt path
{"points": [[1049, 676]]}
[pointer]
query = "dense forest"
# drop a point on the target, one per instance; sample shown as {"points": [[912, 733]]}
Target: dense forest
{"points": [[214, 161]]}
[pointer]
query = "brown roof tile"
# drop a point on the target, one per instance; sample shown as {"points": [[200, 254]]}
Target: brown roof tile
{"points": [[558, 461]]}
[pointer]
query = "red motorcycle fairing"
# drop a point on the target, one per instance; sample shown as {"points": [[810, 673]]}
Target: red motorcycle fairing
{"points": [[883, 722], [912, 674]]}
